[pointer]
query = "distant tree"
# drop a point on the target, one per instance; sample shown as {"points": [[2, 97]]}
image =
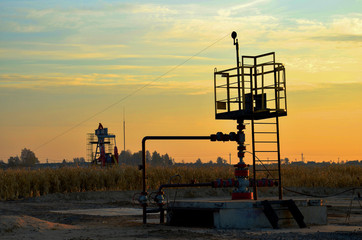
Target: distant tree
{"points": [[286, 160], [220, 161], [167, 159], [28, 157], [79, 160], [137, 158], [156, 159], [2, 164], [198, 162], [14, 161], [148, 156], [125, 157]]}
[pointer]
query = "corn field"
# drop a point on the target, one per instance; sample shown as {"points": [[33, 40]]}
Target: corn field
{"points": [[23, 183]]}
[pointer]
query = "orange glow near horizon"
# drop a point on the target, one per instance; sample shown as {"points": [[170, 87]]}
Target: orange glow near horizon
{"points": [[64, 68]]}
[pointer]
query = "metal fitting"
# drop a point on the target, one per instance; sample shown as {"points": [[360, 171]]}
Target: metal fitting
{"points": [[143, 199], [160, 198]]}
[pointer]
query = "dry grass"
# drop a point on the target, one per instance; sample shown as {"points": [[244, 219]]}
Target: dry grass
{"points": [[22, 183], [332, 176]]}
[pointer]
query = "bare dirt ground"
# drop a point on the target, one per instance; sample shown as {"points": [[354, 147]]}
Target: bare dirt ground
{"points": [[51, 217]]}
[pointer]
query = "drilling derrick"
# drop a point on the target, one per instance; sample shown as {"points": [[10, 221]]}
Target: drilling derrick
{"points": [[104, 144]]}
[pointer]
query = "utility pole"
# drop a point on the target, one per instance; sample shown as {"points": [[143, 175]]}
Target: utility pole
{"points": [[230, 158], [124, 131]]}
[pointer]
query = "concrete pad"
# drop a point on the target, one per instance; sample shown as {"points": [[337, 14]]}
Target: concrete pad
{"points": [[244, 214], [105, 212]]}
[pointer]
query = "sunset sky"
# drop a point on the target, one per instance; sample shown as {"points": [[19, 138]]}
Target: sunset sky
{"points": [[65, 66]]}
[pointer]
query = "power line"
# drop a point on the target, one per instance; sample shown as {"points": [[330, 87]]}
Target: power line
{"points": [[130, 94]]}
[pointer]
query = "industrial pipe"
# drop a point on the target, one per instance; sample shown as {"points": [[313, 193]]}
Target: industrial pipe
{"points": [[241, 171], [176, 185], [143, 166]]}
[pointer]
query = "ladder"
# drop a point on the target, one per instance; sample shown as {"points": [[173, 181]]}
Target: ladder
{"points": [[284, 205], [266, 152]]}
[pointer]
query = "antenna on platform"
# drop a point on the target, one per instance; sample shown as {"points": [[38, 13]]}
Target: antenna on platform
{"points": [[236, 43]]}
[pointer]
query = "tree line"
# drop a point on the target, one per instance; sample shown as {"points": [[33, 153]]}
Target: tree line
{"points": [[155, 159], [27, 159]]}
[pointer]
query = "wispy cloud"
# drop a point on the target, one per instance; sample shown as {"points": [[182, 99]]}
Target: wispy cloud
{"points": [[161, 33], [237, 9], [125, 83], [339, 38]]}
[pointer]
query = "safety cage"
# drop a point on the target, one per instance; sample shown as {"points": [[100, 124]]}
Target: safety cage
{"points": [[254, 90]]}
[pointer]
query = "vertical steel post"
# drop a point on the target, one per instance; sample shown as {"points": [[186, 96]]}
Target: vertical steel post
{"points": [[255, 77], [255, 189], [162, 215], [285, 90], [262, 89], [277, 129], [215, 91], [243, 82], [144, 178], [279, 165], [124, 131]]}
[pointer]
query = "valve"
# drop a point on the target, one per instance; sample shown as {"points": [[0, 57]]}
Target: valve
{"points": [[220, 183], [227, 137], [143, 199], [222, 137], [233, 136], [160, 198], [264, 182], [240, 137]]}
